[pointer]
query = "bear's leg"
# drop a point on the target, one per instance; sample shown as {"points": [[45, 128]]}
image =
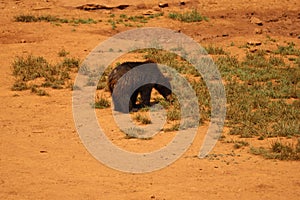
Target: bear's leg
{"points": [[164, 91], [133, 98], [146, 94]]}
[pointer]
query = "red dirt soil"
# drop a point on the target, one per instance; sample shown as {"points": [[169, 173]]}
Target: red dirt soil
{"points": [[41, 155]]}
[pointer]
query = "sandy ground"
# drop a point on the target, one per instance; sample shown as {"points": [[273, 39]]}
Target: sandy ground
{"points": [[41, 155]]}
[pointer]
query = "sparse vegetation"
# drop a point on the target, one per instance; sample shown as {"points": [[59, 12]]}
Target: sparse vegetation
{"points": [[131, 21], [174, 127], [63, 53], [34, 72], [257, 89], [52, 19], [190, 16], [173, 114], [288, 50], [101, 102], [262, 92], [239, 144], [135, 132], [279, 150], [215, 50], [142, 118], [39, 92]]}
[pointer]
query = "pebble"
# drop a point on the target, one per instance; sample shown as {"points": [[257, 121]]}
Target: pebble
{"points": [[254, 43], [255, 20], [182, 3], [141, 6], [148, 12], [253, 50], [163, 5], [258, 31], [156, 8]]}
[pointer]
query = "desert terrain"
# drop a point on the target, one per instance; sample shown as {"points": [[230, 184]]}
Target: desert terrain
{"points": [[41, 154]]}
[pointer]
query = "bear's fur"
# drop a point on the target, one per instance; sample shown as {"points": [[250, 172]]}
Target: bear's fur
{"points": [[128, 82]]}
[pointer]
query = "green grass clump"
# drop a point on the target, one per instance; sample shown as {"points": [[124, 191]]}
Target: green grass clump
{"points": [[290, 49], [25, 18], [19, 86], [142, 118], [70, 63], [52, 19], [63, 53], [39, 92], [215, 50], [135, 132], [173, 114], [30, 68], [33, 72], [131, 21], [240, 144], [101, 103], [174, 127], [286, 151], [190, 16], [279, 150]]}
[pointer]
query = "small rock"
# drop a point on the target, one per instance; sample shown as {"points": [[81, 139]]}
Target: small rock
{"points": [[37, 131], [225, 35], [43, 151], [275, 19], [148, 12], [254, 43], [163, 5], [156, 8], [23, 41], [152, 197], [141, 6], [255, 20], [253, 50], [258, 31], [182, 3]]}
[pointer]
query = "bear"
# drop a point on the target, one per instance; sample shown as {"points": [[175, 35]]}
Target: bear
{"points": [[123, 98]]}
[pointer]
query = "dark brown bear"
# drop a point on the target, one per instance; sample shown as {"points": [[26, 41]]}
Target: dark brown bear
{"points": [[125, 95]]}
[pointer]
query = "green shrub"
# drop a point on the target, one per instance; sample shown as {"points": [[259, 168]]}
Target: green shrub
{"points": [[190, 16]]}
